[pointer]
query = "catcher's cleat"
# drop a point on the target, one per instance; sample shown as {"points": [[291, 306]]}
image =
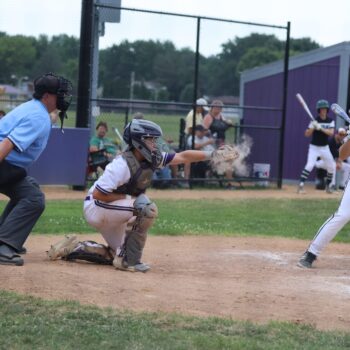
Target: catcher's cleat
{"points": [[63, 247], [120, 264], [301, 189], [306, 260]]}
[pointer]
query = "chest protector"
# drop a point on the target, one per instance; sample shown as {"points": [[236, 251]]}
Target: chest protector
{"points": [[141, 176]]}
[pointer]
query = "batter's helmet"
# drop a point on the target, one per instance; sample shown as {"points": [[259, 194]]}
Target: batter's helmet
{"points": [[322, 104], [135, 134]]}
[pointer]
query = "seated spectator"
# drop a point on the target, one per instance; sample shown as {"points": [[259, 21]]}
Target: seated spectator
{"points": [[2, 114], [101, 142], [201, 110], [202, 143], [216, 123], [163, 178], [102, 150]]}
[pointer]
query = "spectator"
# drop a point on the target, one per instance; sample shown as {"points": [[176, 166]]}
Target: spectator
{"points": [[201, 109], [2, 114], [24, 133], [202, 142], [215, 122], [100, 141]]}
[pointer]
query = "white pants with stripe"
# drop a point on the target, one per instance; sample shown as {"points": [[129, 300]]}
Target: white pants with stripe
{"points": [[324, 153], [332, 225], [110, 219]]}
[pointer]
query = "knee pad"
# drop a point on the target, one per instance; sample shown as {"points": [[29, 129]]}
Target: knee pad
{"points": [[145, 212]]}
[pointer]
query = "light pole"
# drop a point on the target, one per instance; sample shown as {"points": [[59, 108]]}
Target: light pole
{"points": [[131, 95], [19, 81]]}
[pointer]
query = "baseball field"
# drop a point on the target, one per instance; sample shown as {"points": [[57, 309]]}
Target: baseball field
{"points": [[223, 276]]}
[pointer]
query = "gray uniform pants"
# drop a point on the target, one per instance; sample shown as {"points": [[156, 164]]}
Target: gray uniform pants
{"points": [[21, 213]]}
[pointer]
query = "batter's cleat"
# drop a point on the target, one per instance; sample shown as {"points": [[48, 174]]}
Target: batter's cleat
{"points": [[120, 264], [330, 189], [63, 247], [306, 260], [301, 189]]}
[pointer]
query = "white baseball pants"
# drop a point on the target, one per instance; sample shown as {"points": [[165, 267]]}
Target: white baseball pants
{"points": [[333, 224], [324, 153], [110, 219]]}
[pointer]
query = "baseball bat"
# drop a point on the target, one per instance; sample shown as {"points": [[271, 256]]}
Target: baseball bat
{"points": [[304, 105], [120, 137], [340, 112]]}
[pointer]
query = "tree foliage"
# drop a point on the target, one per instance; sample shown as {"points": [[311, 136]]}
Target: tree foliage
{"points": [[169, 70]]}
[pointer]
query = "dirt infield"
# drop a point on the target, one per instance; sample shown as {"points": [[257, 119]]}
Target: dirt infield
{"points": [[244, 278], [288, 191]]}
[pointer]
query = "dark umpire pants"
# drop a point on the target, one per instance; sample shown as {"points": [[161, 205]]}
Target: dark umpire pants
{"points": [[26, 204]]}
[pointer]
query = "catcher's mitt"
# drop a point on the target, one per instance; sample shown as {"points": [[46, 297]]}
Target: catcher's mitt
{"points": [[63, 247], [226, 153]]}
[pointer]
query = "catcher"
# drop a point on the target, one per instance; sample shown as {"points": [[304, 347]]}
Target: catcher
{"points": [[117, 206]]}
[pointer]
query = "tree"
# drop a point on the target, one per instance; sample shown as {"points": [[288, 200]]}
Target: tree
{"points": [[257, 56], [153, 61], [17, 56]]}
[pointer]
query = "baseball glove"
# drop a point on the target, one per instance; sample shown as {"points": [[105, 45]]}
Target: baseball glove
{"points": [[226, 153]]}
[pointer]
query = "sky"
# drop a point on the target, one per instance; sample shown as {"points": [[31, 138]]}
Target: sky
{"points": [[323, 21]]}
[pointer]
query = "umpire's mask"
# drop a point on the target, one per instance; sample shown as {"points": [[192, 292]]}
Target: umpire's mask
{"points": [[55, 84]]}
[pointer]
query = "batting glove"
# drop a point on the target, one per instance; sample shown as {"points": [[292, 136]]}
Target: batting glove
{"points": [[316, 125]]}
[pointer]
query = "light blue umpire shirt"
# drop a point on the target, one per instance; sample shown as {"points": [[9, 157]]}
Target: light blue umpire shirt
{"points": [[28, 127]]}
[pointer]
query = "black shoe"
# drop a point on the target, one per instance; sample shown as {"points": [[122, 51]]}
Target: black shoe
{"points": [[22, 251], [306, 260], [8, 256]]}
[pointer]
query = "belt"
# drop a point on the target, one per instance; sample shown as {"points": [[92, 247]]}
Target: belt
{"points": [[87, 198]]}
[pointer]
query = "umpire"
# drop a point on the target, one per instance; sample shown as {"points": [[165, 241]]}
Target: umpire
{"points": [[24, 133]]}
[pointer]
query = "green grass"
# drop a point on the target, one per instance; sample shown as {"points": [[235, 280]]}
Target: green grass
{"points": [[296, 218], [30, 323]]}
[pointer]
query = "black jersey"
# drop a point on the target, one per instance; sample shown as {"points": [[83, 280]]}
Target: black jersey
{"points": [[319, 138]]}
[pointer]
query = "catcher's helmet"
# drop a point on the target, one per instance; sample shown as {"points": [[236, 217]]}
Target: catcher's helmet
{"points": [[322, 104], [135, 134]]}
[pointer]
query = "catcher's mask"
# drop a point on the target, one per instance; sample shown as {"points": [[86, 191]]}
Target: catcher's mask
{"points": [[145, 136], [57, 85]]}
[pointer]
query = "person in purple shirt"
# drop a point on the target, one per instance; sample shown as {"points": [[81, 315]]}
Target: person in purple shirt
{"points": [[24, 133]]}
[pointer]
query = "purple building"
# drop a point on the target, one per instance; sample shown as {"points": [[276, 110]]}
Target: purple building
{"points": [[317, 74]]}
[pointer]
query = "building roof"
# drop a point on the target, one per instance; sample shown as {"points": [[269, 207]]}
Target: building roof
{"points": [[10, 90], [297, 61]]}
